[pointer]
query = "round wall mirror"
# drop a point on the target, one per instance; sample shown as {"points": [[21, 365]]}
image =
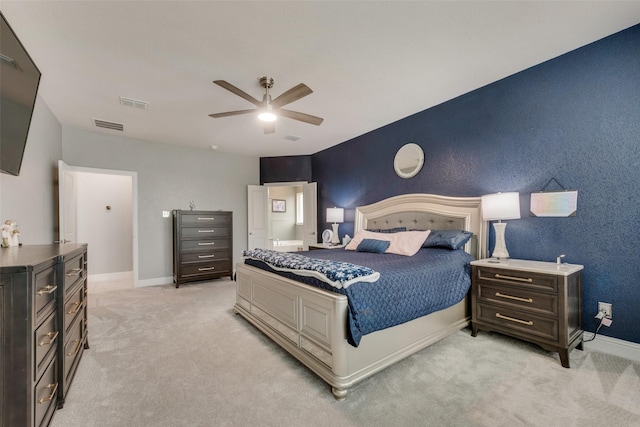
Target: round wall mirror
{"points": [[409, 160]]}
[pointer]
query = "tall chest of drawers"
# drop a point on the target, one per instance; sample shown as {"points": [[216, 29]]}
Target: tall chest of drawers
{"points": [[540, 302], [202, 245], [33, 332]]}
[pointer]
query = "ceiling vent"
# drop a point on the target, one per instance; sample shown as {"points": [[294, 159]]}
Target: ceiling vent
{"points": [[135, 103], [293, 137], [108, 125]]}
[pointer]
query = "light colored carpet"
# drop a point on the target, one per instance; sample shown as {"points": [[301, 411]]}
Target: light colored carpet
{"points": [[162, 356]]}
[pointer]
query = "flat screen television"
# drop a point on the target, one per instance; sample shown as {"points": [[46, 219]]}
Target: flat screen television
{"points": [[19, 80]]}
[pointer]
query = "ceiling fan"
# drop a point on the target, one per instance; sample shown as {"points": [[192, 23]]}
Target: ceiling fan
{"points": [[269, 109]]}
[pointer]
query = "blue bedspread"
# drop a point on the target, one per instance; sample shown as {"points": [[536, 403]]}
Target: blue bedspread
{"points": [[408, 287]]}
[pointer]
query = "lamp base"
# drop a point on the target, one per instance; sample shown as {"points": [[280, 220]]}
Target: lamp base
{"points": [[335, 238], [500, 249]]}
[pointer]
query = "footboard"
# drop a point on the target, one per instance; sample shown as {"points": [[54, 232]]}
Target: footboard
{"points": [[310, 324]]}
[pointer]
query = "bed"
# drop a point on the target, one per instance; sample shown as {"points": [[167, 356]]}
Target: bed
{"points": [[312, 324]]}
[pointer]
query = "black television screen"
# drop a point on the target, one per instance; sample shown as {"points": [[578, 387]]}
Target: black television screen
{"points": [[19, 80]]}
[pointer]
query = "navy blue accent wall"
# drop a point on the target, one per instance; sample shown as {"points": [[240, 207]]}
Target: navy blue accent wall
{"points": [[575, 118], [285, 169]]}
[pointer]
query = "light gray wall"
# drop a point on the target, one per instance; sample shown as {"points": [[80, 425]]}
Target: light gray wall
{"points": [[108, 232], [168, 178], [31, 199]]}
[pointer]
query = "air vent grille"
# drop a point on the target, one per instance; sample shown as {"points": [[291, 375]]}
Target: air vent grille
{"points": [[135, 103], [293, 137], [108, 125]]}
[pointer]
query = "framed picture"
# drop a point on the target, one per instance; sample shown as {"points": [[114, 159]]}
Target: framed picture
{"points": [[278, 205]]}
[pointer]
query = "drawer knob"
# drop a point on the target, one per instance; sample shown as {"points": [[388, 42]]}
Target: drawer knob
{"points": [[529, 300], [51, 396], [78, 305], [519, 279], [52, 337], [77, 349], [47, 290], [74, 272], [513, 319]]}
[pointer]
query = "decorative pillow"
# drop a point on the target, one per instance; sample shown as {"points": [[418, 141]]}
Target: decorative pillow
{"points": [[387, 230], [373, 245], [452, 239], [406, 243]]}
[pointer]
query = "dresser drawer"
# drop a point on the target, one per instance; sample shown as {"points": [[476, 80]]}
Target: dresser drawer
{"points": [[73, 271], [46, 395], [46, 292], [203, 218], [210, 255], [519, 298], [45, 343], [205, 268], [73, 306], [526, 323], [204, 245], [533, 281], [73, 347], [204, 232]]}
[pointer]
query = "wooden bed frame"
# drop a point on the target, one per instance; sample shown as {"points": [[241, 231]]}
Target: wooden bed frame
{"points": [[311, 323]]}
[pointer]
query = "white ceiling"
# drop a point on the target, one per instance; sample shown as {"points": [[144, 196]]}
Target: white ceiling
{"points": [[368, 63]]}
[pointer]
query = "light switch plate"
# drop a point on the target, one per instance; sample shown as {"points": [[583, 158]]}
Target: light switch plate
{"points": [[166, 214]]}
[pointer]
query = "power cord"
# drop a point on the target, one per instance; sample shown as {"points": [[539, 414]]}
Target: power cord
{"points": [[600, 317]]}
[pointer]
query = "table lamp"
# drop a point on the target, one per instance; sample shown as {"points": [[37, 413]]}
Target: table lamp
{"points": [[500, 206], [336, 216]]}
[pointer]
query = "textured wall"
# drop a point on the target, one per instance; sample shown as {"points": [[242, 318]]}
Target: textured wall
{"points": [[575, 118]]}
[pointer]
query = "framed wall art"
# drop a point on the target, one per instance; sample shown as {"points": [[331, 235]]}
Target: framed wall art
{"points": [[278, 205]]}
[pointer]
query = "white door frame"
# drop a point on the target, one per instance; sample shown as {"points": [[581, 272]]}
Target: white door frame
{"points": [[134, 206]]}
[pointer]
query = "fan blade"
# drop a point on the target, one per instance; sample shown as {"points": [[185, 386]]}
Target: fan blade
{"points": [[269, 127], [307, 118], [239, 92], [232, 113], [291, 95]]}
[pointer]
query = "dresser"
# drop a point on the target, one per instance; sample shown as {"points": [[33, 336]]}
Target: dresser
{"points": [[39, 319], [202, 245], [540, 302]]}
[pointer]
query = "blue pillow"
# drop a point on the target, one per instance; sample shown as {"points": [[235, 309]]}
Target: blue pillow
{"points": [[373, 245], [452, 239], [387, 230]]}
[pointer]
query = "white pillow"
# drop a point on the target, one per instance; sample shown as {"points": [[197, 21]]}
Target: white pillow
{"points": [[406, 243]]}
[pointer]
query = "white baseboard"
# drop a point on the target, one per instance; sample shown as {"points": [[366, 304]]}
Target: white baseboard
{"points": [[154, 282], [614, 346], [109, 277]]}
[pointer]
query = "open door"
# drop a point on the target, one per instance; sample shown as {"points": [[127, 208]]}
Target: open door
{"points": [[310, 201], [67, 204], [257, 227]]}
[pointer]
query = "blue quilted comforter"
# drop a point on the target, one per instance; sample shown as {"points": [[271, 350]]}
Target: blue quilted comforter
{"points": [[408, 287]]}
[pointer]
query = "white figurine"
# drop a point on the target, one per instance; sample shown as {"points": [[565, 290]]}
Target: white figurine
{"points": [[15, 235], [6, 233]]}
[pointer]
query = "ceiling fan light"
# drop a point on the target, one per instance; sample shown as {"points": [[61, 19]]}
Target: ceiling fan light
{"points": [[267, 116]]}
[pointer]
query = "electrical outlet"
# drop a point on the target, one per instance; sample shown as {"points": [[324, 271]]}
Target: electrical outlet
{"points": [[605, 308], [166, 214]]}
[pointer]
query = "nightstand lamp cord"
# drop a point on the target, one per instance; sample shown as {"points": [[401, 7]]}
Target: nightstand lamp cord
{"points": [[596, 332]]}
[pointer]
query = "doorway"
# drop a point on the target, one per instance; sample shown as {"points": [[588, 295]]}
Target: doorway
{"points": [[103, 204]]}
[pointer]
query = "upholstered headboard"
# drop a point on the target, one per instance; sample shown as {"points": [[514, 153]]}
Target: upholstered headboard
{"points": [[427, 212]]}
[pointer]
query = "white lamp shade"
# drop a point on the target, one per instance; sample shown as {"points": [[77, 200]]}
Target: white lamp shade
{"points": [[335, 215], [500, 206]]}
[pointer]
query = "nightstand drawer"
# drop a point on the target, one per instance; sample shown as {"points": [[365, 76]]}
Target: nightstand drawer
{"points": [[519, 321], [533, 281], [519, 298]]}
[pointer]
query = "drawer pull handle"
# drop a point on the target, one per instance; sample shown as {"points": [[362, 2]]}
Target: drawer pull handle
{"points": [[52, 337], [206, 243], [519, 279], [47, 290], [74, 352], [206, 256], [206, 231], [529, 300], [78, 305], [206, 268], [204, 218], [513, 319], [53, 393], [74, 272]]}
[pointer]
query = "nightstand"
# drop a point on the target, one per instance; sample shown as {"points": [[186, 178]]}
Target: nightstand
{"points": [[539, 302], [324, 246]]}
